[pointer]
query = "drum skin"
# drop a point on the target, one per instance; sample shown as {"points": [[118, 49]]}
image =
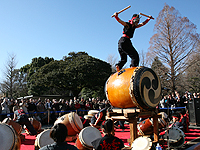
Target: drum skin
{"points": [[86, 136], [11, 140], [43, 139], [134, 87], [72, 122], [15, 125]]}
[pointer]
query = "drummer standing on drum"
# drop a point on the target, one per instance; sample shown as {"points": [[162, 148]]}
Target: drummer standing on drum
{"points": [[125, 46], [21, 118]]}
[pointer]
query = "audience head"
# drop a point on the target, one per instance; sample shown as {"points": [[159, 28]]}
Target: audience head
{"points": [[107, 126], [59, 132]]}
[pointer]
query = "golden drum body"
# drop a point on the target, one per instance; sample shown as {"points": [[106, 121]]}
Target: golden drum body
{"points": [[134, 87]]}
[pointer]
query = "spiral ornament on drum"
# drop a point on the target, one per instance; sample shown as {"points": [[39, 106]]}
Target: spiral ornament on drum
{"points": [[134, 87], [146, 87]]}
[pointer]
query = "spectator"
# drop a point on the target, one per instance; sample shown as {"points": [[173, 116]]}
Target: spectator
{"points": [[48, 104], [59, 133], [42, 111], [5, 108], [31, 107]]}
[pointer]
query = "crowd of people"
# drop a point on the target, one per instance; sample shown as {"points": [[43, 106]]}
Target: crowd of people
{"points": [[39, 109], [177, 100]]}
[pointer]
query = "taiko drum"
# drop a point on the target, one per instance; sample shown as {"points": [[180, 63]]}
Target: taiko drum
{"points": [[9, 138], [72, 121], [134, 87], [17, 127]]}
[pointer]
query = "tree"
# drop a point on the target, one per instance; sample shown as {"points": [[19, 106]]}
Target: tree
{"points": [[176, 39], [8, 84], [162, 72], [112, 60], [73, 73]]}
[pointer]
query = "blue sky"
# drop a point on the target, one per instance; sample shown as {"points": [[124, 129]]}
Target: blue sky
{"points": [[53, 28]]}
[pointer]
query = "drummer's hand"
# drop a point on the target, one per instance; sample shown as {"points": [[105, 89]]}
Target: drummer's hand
{"points": [[150, 17], [115, 14]]}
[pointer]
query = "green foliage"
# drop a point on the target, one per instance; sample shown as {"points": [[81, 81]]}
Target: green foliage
{"points": [[73, 73]]}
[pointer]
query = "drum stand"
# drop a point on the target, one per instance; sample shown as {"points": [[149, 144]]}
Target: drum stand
{"points": [[132, 116]]}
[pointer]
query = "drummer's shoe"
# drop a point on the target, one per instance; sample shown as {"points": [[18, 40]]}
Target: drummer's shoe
{"points": [[117, 68]]}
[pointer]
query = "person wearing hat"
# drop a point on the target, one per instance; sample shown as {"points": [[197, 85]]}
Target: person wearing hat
{"points": [[109, 141], [21, 118], [125, 46], [59, 133]]}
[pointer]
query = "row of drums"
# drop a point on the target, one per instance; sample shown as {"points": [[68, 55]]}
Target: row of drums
{"points": [[10, 133], [75, 127], [83, 136]]}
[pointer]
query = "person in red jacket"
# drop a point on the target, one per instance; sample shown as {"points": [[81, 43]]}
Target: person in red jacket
{"points": [[125, 46]]}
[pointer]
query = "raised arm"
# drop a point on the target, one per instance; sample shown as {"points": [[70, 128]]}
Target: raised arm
{"points": [[119, 20], [143, 23]]}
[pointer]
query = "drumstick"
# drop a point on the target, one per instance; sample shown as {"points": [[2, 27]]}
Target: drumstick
{"points": [[122, 10], [145, 15]]}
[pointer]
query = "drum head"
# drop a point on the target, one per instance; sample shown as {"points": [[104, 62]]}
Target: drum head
{"points": [[175, 134], [146, 88], [75, 121], [89, 134], [44, 138], [142, 143], [7, 137]]}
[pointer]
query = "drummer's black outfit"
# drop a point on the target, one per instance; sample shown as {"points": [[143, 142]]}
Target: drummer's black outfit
{"points": [[108, 142], [22, 119], [125, 47]]}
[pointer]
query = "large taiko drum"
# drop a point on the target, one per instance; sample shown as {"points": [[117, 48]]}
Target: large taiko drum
{"points": [[72, 121], [9, 139], [85, 138], [134, 87], [43, 139], [175, 136], [145, 127], [142, 143], [16, 126]]}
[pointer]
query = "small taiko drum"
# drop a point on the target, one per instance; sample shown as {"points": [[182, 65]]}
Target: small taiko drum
{"points": [[72, 121], [175, 136], [134, 87], [16, 126], [9, 139], [43, 139], [142, 143], [145, 127], [36, 125], [85, 138]]}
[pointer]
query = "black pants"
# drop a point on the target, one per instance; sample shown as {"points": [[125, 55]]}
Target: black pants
{"points": [[125, 48], [23, 120]]}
